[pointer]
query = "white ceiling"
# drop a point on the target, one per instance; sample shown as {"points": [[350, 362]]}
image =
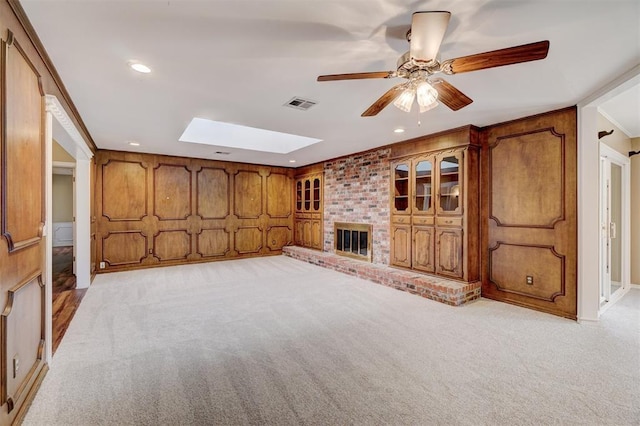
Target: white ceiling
{"points": [[240, 61]]}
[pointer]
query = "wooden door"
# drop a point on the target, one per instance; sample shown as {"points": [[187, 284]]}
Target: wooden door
{"points": [[306, 233], [316, 234], [449, 252], [423, 248], [401, 245]]}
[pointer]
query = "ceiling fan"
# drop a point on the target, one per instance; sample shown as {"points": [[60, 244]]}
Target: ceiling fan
{"points": [[421, 63]]}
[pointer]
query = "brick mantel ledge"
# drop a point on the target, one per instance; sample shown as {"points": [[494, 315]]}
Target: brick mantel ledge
{"points": [[451, 292]]}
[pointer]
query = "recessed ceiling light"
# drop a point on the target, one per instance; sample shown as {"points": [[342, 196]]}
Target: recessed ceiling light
{"points": [[140, 67], [134, 143], [399, 130], [292, 161]]}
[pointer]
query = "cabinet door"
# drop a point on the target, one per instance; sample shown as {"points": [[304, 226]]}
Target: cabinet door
{"points": [[401, 245], [316, 194], [307, 195], [449, 252], [423, 248], [299, 195], [449, 166], [306, 233], [298, 232], [400, 191], [423, 185], [316, 234]]}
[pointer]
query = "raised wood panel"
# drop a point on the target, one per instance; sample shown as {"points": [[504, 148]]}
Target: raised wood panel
{"points": [[278, 237], [247, 195], [307, 233], [299, 232], [424, 248], [511, 264], [22, 328], [248, 240], [214, 242], [449, 252], [172, 245], [530, 202], [401, 245], [22, 149], [124, 248], [527, 179], [171, 192], [316, 234], [278, 195], [212, 193], [124, 190]]}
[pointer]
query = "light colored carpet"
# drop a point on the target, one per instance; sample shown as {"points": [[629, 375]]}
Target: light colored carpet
{"points": [[278, 341]]}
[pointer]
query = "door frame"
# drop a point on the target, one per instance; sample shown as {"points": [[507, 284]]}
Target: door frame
{"points": [[610, 155], [588, 185], [59, 124]]}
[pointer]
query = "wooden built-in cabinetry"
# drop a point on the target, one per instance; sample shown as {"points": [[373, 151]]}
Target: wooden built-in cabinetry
{"points": [[435, 210], [308, 220]]}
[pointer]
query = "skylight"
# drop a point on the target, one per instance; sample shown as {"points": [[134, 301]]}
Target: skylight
{"points": [[209, 132]]}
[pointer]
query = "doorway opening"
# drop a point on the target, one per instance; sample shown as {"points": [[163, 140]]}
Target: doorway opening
{"points": [[614, 226], [66, 152]]}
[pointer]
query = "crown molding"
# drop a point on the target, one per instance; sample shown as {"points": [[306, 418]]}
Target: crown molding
{"points": [[53, 105]]}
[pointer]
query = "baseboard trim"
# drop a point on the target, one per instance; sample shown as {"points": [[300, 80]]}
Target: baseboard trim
{"points": [[22, 411], [635, 286]]}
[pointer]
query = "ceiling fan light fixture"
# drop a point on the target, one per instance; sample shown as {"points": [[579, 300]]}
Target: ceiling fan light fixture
{"points": [[427, 96], [405, 100]]}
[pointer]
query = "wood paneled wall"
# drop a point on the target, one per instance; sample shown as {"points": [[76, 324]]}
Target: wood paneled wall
{"points": [[530, 232], [22, 216], [158, 210]]}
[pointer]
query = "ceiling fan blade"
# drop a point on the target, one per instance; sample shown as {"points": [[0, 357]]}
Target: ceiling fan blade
{"points": [[450, 96], [498, 58], [384, 100], [427, 32], [357, 75]]}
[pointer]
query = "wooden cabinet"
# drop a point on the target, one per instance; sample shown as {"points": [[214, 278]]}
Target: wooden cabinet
{"points": [[435, 212], [308, 218]]}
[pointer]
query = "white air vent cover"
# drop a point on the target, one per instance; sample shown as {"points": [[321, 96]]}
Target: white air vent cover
{"points": [[300, 103]]}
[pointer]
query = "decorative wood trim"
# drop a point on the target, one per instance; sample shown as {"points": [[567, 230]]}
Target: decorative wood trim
{"points": [[155, 236], [235, 239], [269, 228], [21, 16], [220, 228], [235, 198], [33, 390], [6, 233], [553, 251], [198, 193], [146, 191], [553, 222], [269, 174], [146, 247], [4, 356], [155, 201]]}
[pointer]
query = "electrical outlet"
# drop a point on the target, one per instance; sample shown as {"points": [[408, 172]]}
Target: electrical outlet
{"points": [[529, 280], [102, 265], [16, 366]]}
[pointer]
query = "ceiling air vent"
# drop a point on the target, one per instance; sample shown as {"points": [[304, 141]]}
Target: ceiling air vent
{"points": [[300, 103]]}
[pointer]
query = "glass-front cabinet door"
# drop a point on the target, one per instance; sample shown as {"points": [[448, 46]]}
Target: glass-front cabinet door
{"points": [[299, 195], [307, 194], [400, 188], [316, 195], [450, 180], [423, 185]]}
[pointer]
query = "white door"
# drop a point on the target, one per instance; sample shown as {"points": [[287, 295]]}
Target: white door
{"points": [[614, 225]]}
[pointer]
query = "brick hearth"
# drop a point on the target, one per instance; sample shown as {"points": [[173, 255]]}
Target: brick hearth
{"points": [[435, 288]]}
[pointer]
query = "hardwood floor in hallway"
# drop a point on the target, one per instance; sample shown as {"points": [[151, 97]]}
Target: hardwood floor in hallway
{"points": [[66, 298]]}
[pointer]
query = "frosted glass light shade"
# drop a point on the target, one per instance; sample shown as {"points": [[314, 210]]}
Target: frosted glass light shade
{"points": [[405, 100], [426, 108], [427, 96]]}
